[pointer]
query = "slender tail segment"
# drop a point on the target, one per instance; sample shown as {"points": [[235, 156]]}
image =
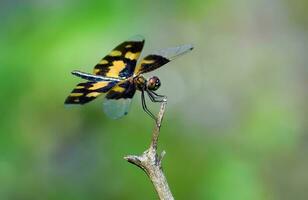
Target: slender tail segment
{"points": [[92, 77]]}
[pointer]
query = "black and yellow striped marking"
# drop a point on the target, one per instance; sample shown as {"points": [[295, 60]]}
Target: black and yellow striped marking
{"points": [[124, 89], [88, 91], [121, 61], [158, 59], [150, 63]]}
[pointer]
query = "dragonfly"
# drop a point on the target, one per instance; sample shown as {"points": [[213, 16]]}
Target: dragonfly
{"points": [[119, 76]]}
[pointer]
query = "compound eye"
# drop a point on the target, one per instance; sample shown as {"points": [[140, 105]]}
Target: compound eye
{"points": [[153, 83]]}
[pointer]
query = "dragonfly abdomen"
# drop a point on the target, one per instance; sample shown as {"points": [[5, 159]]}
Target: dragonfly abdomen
{"points": [[92, 77]]}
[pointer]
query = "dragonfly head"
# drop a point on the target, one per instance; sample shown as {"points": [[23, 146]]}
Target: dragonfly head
{"points": [[153, 83]]}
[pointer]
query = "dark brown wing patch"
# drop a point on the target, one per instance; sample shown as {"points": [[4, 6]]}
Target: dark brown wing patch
{"points": [[158, 59], [121, 61], [118, 99], [88, 91], [150, 63], [124, 89]]}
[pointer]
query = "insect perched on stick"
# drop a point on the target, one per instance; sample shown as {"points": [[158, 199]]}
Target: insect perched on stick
{"points": [[119, 76]]}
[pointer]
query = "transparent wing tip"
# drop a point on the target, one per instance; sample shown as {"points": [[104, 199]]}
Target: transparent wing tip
{"points": [[183, 48], [174, 52], [188, 46], [116, 109]]}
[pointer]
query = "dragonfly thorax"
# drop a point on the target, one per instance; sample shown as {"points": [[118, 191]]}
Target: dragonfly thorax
{"points": [[140, 82]]}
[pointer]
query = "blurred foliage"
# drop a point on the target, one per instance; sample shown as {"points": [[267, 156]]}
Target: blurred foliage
{"points": [[236, 121]]}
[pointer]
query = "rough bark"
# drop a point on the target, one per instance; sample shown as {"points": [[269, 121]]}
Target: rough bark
{"points": [[150, 161]]}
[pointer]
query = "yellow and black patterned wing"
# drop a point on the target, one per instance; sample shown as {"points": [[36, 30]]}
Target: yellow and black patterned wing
{"points": [[158, 59], [88, 91], [121, 61], [118, 99]]}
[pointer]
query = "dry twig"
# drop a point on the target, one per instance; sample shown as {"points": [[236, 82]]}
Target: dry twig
{"points": [[150, 161]]}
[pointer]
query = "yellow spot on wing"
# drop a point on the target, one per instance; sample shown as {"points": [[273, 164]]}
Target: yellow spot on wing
{"points": [[132, 56], [76, 94], [139, 66], [79, 87], [116, 67], [103, 62], [118, 89], [128, 46], [93, 94], [98, 85], [147, 61], [95, 71], [115, 53]]}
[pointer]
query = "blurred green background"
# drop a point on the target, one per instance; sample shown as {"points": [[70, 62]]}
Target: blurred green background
{"points": [[236, 121]]}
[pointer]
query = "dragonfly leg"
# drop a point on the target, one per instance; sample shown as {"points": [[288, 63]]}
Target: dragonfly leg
{"points": [[156, 97], [144, 106]]}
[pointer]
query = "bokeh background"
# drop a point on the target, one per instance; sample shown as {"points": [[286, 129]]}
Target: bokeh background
{"points": [[236, 121]]}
